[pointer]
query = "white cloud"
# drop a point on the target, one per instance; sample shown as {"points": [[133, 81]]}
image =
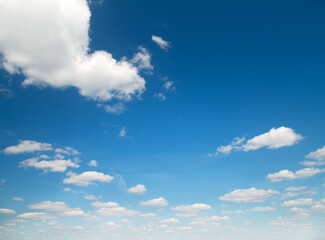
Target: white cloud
{"points": [[6, 211], [28, 146], [149, 215], [51, 48], [312, 163], [298, 202], [157, 202], [169, 220], [50, 206], [275, 138], [261, 209], [191, 209], [67, 189], [92, 163], [90, 197], [51, 165], [112, 209], [169, 85], [61, 207], [213, 218], [36, 216], [161, 42], [295, 189], [138, 189], [142, 59], [319, 154], [67, 151], [288, 175], [122, 133], [160, 96], [117, 108], [98, 204], [248, 195], [18, 199], [87, 178]]}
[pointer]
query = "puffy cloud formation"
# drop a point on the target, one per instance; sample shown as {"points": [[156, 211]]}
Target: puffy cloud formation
{"points": [[61, 207], [161, 42], [248, 195], [275, 138], [156, 202], [6, 211], [28, 146], [289, 175], [87, 178], [48, 42], [138, 189], [59, 165]]}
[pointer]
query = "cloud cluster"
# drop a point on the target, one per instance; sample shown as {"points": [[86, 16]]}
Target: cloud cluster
{"points": [[275, 138], [50, 47]]}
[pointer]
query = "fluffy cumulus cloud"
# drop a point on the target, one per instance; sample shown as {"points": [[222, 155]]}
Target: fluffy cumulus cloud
{"points": [[161, 42], [87, 178], [289, 175], [50, 47], [156, 202], [28, 146], [275, 138], [248, 195], [6, 211], [59, 165], [138, 189]]}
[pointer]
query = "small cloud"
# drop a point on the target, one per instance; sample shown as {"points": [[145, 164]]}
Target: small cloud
{"points": [[161, 42], [122, 133], [117, 108], [18, 199], [160, 96], [87, 178], [92, 163], [6, 211], [289, 175], [142, 59], [157, 202], [90, 197], [248, 195], [138, 189]]}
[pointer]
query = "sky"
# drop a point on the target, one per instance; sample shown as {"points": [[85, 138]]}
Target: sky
{"points": [[154, 120]]}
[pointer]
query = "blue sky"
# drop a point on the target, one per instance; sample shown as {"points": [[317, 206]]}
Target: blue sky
{"points": [[162, 120]]}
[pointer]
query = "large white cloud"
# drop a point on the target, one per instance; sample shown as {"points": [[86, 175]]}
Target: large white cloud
{"points": [[289, 175], [248, 195], [87, 178], [48, 42], [275, 138], [28, 146]]}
